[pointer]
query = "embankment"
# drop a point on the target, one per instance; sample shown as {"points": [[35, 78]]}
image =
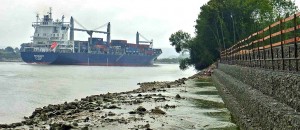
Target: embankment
{"points": [[260, 99]]}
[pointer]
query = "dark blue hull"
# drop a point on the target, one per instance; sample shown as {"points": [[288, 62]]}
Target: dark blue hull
{"points": [[88, 59]]}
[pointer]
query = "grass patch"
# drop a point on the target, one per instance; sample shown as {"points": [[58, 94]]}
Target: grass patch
{"points": [[223, 116], [207, 93], [204, 84], [225, 128], [208, 104], [204, 79], [218, 114]]}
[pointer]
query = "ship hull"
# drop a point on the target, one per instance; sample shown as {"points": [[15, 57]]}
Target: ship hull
{"points": [[88, 59]]}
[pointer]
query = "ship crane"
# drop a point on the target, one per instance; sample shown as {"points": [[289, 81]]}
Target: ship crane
{"points": [[138, 35], [89, 32]]}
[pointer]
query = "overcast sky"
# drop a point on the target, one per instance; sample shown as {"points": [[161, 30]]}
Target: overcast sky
{"points": [[155, 19]]}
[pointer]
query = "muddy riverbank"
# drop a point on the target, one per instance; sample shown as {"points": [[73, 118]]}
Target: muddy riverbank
{"points": [[187, 103]]}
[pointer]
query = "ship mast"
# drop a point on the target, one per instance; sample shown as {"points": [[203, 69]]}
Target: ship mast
{"points": [[50, 13], [89, 32], [37, 18], [138, 35]]}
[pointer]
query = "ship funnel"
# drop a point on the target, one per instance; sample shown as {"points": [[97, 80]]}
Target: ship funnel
{"points": [[72, 29], [137, 38], [108, 34]]}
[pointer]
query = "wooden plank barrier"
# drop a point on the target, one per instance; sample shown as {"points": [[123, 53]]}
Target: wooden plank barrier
{"points": [[264, 45]]}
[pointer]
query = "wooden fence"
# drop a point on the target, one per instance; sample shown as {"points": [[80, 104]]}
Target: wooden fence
{"points": [[275, 47]]}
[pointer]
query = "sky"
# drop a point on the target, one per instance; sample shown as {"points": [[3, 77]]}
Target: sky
{"points": [[154, 19]]}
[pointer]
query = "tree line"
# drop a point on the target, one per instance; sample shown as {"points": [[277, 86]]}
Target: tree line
{"points": [[10, 54], [167, 60], [222, 23]]}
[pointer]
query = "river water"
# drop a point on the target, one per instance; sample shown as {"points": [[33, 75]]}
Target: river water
{"points": [[24, 87]]}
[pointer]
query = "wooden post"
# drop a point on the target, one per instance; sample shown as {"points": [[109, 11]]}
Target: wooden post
{"points": [[278, 61], [289, 58], [264, 52], [250, 59], [281, 44], [258, 51], [295, 42], [270, 42], [253, 51]]}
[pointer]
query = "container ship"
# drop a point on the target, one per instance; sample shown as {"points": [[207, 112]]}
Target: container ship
{"points": [[52, 45]]}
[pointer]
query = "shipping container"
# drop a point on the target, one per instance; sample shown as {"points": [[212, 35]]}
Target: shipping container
{"points": [[132, 50], [131, 45], [96, 41], [149, 52], [121, 43]]}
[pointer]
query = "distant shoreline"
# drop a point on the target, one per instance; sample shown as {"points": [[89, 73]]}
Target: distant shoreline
{"points": [[11, 61], [165, 63], [154, 62]]}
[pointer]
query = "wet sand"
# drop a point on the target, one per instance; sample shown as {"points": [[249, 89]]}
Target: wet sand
{"points": [[187, 103]]}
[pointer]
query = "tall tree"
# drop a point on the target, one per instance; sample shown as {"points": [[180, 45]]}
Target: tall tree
{"points": [[221, 23], [180, 40], [9, 49], [17, 50]]}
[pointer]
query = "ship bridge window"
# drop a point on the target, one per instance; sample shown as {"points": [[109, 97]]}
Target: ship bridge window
{"points": [[55, 30]]}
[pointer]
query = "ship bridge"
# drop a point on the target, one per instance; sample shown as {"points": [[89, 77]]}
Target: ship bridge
{"points": [[49, 31]]}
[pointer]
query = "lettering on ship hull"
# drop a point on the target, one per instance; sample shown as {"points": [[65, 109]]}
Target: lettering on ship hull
{"points": [[38, 57]]}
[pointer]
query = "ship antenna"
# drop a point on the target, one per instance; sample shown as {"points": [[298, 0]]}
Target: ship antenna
{"points": [[50, 13], [37, 18], [62, 18]]}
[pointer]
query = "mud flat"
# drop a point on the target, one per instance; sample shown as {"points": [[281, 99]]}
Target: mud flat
{"points": [[187, 103]]}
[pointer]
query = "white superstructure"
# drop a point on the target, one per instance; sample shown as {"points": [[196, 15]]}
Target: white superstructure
{"points": [[49, 32]]}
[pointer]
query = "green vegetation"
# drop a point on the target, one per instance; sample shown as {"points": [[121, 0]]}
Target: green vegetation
{"points": [[207, 92], [221, 115], [167, 60], [204, 79], [226, 128], [221, 23], [10, 54], [204, 84], [208, 104]]}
